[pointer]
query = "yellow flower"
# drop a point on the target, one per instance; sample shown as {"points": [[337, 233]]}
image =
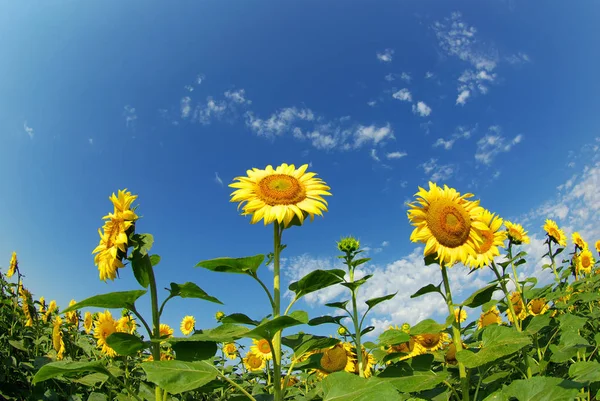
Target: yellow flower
{"points": [[187, 325], [492, 316], [122, 204], [280, 194], [42, 305], [165, 330], [88, 322], [516, 233], [57, 340], [518, 306], [219, 316], [411, 348], [492, 239], [230, 350], [446, 221], [51, 308], [460, 315], [555, 233], [450, 356], [584, 262], [253, 362], [126, 324], [27, 306], [538, 306], [598, 246], [72, 317], [368, 361], [104, 326], [12, 267], [578, 241], [262, 349], [164, 356], [336, 359], [432, 342]]}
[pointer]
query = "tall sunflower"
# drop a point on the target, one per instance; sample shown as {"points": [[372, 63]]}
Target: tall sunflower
{"points": [[187, 325], [27, 306], [49, 311], [262, 349], [516, 233], [538, 306], [104, 326], [126, 324], [492, 316], [555, 233], [72, 317], [578, 241], [253, 362], [584, 262], [492, 237], [280, 194], [433, 341], [336, 359], [446, 221], [57, 338], [13, 265]]}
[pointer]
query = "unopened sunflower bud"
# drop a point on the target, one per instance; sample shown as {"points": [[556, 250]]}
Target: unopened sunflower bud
{"points": [[342, 331], [219, 316], [124, 312], [406, 328], [348, 245]]}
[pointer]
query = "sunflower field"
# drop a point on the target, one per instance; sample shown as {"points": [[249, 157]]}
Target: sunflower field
{"points": [[532, 341]]}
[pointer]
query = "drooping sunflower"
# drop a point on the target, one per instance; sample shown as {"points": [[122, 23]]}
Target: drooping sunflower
{"points": [[42, 305], [368, 361], [280, 194], [460, 315], [104, 326], [72, 317], [578, 241], [262, 349], [253, 362], [88, 322], [450, 356], [57, 338], [555, 233], [538, 306], [27, 306], [411, 348], [336, 359], [446, 221], [187, 325], [433, 341], [516, 233], [230, 350], [493, 238], [12, 267], [492, 316], [126, 324], [165, 331], [584, 262], [51, 309], [518, 305]]}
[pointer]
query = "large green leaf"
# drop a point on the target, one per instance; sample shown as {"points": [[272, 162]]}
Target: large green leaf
{"points": [[537, 323], [343, 386], [246, 265], [355, 284], [191, 290], [194, 350], [542, 388], [374, 301], [125, 343], [497, 342], [585, 371], [316, 280], [480, 296], [268, 329], [410, 381], [91, 379], [340, 305], [239, 318], [141, 264], [429, 288], [569, 322], [224, 333], [427, 326], [393, 337], [177, 376], [112, 300], [325, 319], [303, 343], [62, 368]]}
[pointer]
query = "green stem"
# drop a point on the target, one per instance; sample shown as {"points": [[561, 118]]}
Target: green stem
{"points": [[290, 306], [277, 232], [456, 338], [234, 384], [129, 390], [156, 324], [266, 290], [552, 259], [137, 314], [162, 306], [359, 354]]}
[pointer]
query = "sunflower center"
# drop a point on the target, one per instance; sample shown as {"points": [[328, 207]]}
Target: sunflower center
{"points": [[489, 318], [449, 223], [230, 348], [537, 306], [254, 362], [488, 241], [335, 359], [263, 346], [429, 340], [281, 189], [586, 262]]}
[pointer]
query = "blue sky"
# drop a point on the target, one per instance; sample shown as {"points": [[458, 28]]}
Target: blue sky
{"points": [[498, 98]]}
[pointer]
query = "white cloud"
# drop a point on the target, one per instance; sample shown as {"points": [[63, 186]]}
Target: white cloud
{"points": [[372, 103], [373, 134], [204, 113], [463, 96], [238, 96], [28, 130], [374, 155], [422, 109], [437, 172], [279, 123], [186, 106], [494, 143], [200, 78], [389, 77], [395, 155], [461, 132], [189, 88], [518, 58], [426, 127], [429, 75], [386, 55], [322, 141], [405, 76], [404, 95], [385, 243], [130, 116], [218, 179]]}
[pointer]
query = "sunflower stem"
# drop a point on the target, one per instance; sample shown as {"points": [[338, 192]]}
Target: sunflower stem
{"points": [[552, 259], [456, 338], [155, 323], [277, 233], [356, 322]]}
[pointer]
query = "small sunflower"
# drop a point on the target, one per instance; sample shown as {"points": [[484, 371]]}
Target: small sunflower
{"points": [[578, 241], [598, 246], [12, 267], [460, 315], [291, 381], [164, 356], [555, 233], [88, 322], [450, 356], [72, 317], [262, 349], [57, 338], [253, 362], [165, 331], [492, 316], [280, 194], [126, 324], [336, 359], [516, 233], [518, 306], [432, 342], [446, 222], [104, 326], [538, 306], [187, 325], [493, 238], [411, 348], [230, 350], [584, 262]]}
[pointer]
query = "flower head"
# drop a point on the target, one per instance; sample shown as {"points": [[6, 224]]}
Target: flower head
{"points": [[42, 305], [555, 233], [598, 246], [126, 324], [253, 362], [336, 359], [342, 331], [165, 331], [27, 306], [49, 311], [57, 338], [104, 326], [432, 342], [262, 349], [187, 325], [516, 233], [88, 322], [493, 238], [518, 306], [492, 316], [280, 194], [348, 245], [72, 317], [219, 316], [460, 315], [13, 266], [230, 350], [538, 306], [584, 262], [578, 241]]}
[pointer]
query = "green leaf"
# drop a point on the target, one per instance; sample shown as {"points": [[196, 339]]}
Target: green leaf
{"points": [[497, 342], [18, 345], [144, 242], [97, 397], [91, 379], [374, 301], [112, 300], [343, 386], [429, 288], [393, 337], [221, 334], [325, 319], [239, 318], [125, 343], [359, 262], [408, 381], [427, 326], [480, 296], [63, 368], [340, 305], [191, 290], [537, 323], [194, 350], [541, 388], [366, 330], [303, 343], [585, 371], [316, 280], [431, 259], [177, 376], [246, 265], [268, 329], [354, 285], [141, 265], [569, 322], [154, 259]]}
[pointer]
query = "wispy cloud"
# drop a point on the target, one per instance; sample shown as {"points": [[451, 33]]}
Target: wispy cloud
{"points": [[374, 155], [494, 143], [463, 96], [386, 55], [278, 123], [372, 134], [130, 116], [518, 58], [421, 109], [403, 94], [429, 75], [91, 141], [461, 132], [189, 88], [390, 77], [186, 106], [405, 76], [238, 96], [212, 109], [28, 130], [396, 155], [372, 103], [218, 179], [200, 78], [437, 172]]}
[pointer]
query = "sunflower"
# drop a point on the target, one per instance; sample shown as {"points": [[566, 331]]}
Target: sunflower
{"points": [[492, 239], [578, 241], [291, 381], [57, 338], [432, 342], [492, 316], [262, 349], [122, 204], [126, 324], [538, 306], [253, 362], [164, 356], [104, 326], [187, 325], [460, 315], [584, 262], [516, 233], [72, 317], [518, 306], [555, 233], [336, 359], [280, 194], [27, 306], [42, 305], [49, 311], [450, 356], [165, 331], [446, 221], [368, 361], [88, 322], [230, 350], [598, 246], [12, 267], [411, 348]]}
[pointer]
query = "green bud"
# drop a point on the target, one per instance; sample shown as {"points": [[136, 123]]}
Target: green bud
{"points": [[348, 244], [406, 328], [124, 312], [342, 331], [219, 316]]}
